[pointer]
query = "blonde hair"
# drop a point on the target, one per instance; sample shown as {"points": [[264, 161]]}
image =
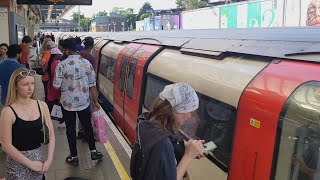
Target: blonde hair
{"points": [[12, 88], [45, 44], [162, 116]]}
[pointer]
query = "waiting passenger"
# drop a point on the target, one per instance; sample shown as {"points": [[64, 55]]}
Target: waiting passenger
{"points": [[24, 60], [86, 53], [53, 94], [165, 155], [76, 79], [44, 60], [79, 46], [21, 123], [3, 52], [7, 68], [42, 38]]}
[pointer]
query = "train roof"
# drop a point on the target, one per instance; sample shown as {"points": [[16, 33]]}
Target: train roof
{"points": [[288, 43]]}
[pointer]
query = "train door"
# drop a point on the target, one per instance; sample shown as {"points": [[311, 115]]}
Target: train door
{"points": [[97, 51], [119, 83], [268, 136], [106, 75], [136, 70]]}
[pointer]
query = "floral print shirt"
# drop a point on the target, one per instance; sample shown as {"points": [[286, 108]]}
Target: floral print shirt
{"points": [[74, 76]]}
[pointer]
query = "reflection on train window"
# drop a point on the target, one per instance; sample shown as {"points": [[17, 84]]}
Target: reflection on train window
{"points": [[154, 86], [103, 65], [132, 72], [213, 121], [299, 135], [124, 60], [107, 67]]}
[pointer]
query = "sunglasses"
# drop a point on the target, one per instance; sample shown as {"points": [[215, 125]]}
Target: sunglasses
{"points": [[28, 73]]}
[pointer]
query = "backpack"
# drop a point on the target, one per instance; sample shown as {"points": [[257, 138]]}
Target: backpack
{"points": [[136, 162]]}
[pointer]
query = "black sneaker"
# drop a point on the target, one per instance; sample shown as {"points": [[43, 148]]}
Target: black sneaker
{"points": [[96, 155], [72, 160]]}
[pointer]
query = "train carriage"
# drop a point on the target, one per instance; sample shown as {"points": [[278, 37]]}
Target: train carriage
{"points": [[259, 92]]}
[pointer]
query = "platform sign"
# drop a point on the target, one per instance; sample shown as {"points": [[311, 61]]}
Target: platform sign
{"points": [[56, 2]]}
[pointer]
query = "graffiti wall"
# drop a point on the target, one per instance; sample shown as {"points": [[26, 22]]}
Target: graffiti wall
{"points": [[171, 22], [207, 18], [254, 14], [164, 22], [139, 25], [310, 13], [292, 13]]}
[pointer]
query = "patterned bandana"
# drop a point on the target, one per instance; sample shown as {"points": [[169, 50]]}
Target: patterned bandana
{"points": [[181, 96]]}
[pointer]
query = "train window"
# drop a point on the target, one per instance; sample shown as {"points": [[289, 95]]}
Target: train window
{"points": [[103, 65], [298, 137], [154, 86], [213, 121], [111, 69], [124, 60], [132, 71], [108, 67]]}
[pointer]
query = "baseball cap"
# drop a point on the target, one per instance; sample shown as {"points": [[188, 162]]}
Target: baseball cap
{"points": [[55, 51]]}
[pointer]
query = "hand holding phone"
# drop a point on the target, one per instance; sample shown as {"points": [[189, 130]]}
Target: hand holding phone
{"points": [[209, 146]]}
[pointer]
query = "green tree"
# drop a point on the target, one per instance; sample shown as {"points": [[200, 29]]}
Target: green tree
{"points": [[75, 16], [180, 4], [118, 10], [145, 15], [128, 13], [143, 10], [190, 4], [101, 13], [84, 21]]}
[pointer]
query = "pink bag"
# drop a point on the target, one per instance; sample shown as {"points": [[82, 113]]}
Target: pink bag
{"points": [[99, 127]]}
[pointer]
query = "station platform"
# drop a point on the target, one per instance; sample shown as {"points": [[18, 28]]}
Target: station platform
{"points": [[114, 166]]}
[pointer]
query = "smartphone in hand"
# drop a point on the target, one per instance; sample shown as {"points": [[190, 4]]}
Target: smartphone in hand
{"points": [[209, 146]]}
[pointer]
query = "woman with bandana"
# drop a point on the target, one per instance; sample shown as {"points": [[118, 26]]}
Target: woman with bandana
{"points": [[159, 150]]}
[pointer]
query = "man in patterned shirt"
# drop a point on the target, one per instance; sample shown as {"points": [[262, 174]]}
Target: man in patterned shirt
{"points": [[75, 77]]}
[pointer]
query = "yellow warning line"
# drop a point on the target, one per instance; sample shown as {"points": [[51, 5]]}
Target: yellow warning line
{"points": [[116, 161]]}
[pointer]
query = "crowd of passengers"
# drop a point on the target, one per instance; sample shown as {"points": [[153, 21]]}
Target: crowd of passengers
{"points": [[69, 80]]}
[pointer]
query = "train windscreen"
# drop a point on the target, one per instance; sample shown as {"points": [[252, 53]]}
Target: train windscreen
{"points": [[297, 156]]}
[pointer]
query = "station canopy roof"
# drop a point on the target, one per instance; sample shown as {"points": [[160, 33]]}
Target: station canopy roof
{"points": [[50, 12], [56, 2], [54, 9]]}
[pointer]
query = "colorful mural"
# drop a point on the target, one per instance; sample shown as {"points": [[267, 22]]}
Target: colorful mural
{"points": [[193, 19], [251, 15], [292, 13], [313, 13], [171, 22]]}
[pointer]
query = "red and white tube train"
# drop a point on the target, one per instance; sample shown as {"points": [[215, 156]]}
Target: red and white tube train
{"points": [[259, 92]]}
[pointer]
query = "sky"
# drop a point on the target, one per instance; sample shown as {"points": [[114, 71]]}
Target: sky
{"points": [[108, 5]]}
